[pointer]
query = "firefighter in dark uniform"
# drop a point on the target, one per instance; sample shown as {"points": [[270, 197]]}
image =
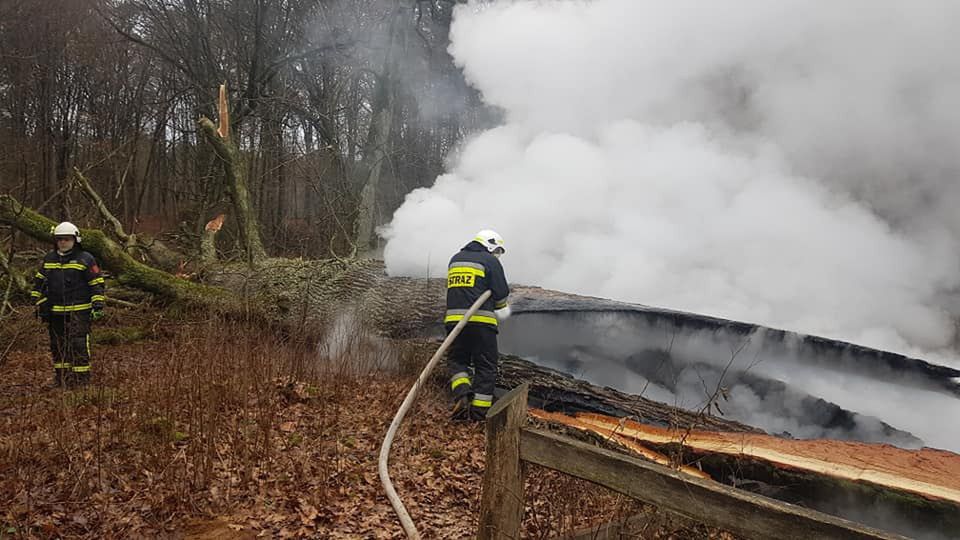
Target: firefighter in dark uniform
{"points": [[68, 290], [473, 270]]}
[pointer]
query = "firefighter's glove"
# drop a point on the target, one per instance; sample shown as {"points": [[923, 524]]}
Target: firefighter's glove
{"points": [[503, 313], [43, 316], [96, 314]]}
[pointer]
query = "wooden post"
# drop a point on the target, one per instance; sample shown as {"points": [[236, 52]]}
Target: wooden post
{"points": [[501, 506]]}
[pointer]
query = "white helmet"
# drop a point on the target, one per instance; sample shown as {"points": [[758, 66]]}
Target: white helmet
{"points": [[67, 229], [490, 240]]}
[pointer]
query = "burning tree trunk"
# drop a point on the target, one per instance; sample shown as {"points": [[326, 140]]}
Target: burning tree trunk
{"points": [[553, 390]]}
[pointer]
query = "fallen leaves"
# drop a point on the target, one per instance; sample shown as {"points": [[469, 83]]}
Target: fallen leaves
{"points": [[210, 439], [308, 513]]}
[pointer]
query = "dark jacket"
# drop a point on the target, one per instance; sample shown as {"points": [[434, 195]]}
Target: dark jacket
{"points": [[68, 283], [472, 271]]}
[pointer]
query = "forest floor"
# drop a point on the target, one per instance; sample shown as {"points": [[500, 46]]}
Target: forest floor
{"points": [[196, 427]]}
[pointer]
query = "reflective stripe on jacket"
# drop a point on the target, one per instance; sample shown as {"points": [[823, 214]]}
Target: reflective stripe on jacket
{"points": [[472, 271], [68, 283]]}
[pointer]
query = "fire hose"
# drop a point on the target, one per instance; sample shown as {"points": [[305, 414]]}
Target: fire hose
{"points": [[395, 501]]}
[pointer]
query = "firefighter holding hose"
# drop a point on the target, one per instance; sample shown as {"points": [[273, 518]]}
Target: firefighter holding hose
{"points": [[473, 357]]}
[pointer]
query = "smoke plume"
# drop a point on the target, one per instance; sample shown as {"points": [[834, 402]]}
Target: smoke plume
{"points": [[786, 163]]}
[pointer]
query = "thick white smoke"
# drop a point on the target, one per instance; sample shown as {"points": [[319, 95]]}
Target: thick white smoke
{"points": [[787, 163]]}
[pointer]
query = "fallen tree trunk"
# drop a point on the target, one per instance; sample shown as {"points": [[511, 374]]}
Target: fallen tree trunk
{"points": [[17, 280], [128, 271], [552, 390], [294, 290]]}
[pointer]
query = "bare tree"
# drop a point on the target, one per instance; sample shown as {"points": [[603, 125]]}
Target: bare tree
{"points": [[334, 111]]}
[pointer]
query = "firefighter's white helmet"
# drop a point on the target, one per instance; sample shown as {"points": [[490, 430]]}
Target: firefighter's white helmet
{"points": [[67, 229], [491, 240]]}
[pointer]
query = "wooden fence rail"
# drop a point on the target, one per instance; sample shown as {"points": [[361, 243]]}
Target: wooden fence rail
{"points": [[510, 445]]}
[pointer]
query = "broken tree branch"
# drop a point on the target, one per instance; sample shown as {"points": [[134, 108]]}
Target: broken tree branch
{"points": [[236, 180], [129, 240], [124, 303], [224, 129], [156, 251]]}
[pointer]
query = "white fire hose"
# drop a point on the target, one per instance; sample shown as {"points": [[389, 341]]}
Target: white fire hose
{"points": [[395, 501]]}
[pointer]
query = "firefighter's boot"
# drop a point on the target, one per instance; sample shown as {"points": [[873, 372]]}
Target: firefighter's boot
{"points": [[60, 378], [460, 412], [477, 414], [81, 378], [462, 398]]}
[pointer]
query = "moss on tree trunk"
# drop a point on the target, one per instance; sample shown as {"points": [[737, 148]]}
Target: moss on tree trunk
{"points": [[111, 255]]}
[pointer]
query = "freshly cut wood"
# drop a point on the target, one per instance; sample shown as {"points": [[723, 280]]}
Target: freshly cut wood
{"points": [[223, 129], [927, 472], [208, 249], [611, 434]]}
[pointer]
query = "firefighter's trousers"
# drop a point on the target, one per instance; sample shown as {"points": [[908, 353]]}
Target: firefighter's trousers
{"points": [[70, 345], [474, 349]]}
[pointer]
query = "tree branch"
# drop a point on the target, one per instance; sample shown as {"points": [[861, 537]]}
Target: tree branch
{"points": [[128, 240], [139, 41], [226, 150]]}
